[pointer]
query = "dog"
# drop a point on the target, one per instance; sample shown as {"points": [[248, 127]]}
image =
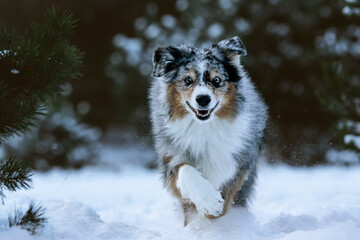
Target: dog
{"points": [[208, 122]]}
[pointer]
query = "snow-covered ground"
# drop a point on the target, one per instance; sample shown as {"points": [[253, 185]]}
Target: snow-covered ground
{"points": [[130, 203]]}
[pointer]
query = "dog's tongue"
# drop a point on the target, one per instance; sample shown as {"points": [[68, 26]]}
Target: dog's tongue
{"points": [[203, 112]]}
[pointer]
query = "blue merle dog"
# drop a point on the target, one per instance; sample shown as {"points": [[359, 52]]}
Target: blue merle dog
{"points": [[208, 123]]}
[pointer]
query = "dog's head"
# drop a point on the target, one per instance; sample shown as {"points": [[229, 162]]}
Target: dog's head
{"points": [[201, 82]]}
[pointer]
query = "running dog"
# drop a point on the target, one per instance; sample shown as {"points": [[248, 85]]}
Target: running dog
{"points": [[208, 123]]}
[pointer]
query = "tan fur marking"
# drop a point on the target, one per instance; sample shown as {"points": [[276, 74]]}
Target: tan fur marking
{"points": [[167, 159], [191, 73], [213, 217], [228, 106], [173, 179], [233, 56], [189, 209], [177, 109], [187, 93], [230, 195], [213, 74]]}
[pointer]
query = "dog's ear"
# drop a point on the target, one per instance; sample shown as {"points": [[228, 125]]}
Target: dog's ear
{"points": [[167, 59], [233, 48]]}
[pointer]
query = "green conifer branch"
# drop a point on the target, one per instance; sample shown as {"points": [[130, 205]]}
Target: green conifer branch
{"points": [[14, 175], [33, 67], [32, 220]]}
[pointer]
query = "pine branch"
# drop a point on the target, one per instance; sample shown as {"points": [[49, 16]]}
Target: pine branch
{"points": [[6, 39], [20, 121], [14, 175], [32, 220], [33, 67]]}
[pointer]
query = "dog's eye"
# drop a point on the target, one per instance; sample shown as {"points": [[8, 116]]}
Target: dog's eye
{"points": [[216, 81], [188, 81]]}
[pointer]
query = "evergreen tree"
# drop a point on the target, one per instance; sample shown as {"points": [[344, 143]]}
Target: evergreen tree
{"points": [[33, 67], [340, 95]]}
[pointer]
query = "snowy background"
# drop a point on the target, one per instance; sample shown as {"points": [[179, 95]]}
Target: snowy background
{"points": [[129, 202], [92, 153]]}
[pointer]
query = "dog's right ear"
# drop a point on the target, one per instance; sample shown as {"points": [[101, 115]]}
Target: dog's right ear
{"points": [[160, 57], [167, 59]]}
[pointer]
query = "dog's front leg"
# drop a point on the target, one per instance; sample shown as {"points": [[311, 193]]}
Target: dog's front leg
{"points": [[193, 186]]}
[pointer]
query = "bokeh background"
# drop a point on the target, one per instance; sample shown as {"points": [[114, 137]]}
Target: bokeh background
{"points": [[302, 55]]}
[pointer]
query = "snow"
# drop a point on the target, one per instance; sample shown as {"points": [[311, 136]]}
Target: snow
{"points": [[168, 21], [130, 203], [14, 71], [3, 53], [152, 31], [280, 29], [206, 199], [242, 25], [182, 5], [215, 30], [342, 156], [132, 47], [350, 138], [347, 10]]}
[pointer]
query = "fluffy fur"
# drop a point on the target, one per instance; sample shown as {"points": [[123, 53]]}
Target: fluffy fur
{"points": [[208, 124]]}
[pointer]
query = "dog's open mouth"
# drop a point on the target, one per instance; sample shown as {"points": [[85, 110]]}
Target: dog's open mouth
{"points": [[202, 114]]}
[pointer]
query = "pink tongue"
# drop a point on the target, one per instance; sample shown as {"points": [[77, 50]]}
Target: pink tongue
{"points": [[203, 112]]}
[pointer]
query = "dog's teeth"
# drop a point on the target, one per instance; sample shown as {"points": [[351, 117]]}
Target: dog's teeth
{"points": [[199, 113]]}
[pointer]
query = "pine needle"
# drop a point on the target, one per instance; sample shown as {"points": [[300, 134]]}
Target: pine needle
{"points": [[33, 220]]}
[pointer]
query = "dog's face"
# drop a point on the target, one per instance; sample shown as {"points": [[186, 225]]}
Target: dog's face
{"points": [[201, 82]]}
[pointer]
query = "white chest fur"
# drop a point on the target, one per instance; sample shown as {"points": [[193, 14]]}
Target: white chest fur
{"points": [[212, 145]]}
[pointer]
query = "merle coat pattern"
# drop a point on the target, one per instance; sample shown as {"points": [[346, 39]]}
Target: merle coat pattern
{"points": [[208, 123]]}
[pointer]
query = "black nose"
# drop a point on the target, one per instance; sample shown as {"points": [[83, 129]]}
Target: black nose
{"points": [[203, 100]]}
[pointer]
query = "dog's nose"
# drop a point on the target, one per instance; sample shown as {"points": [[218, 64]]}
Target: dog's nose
{"points": [[203, 100]]}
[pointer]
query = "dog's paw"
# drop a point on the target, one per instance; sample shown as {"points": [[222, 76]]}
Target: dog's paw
{"points": [[211, 205], [197, 189]]}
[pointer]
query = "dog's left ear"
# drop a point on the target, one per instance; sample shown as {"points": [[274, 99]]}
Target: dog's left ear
{"points": [[233, 48]]}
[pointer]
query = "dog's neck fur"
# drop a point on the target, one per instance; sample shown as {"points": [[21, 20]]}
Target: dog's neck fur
{"points": [[209, 147]]}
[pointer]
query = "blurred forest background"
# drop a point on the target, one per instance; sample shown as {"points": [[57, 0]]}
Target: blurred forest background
{"points": [[302, 55]]}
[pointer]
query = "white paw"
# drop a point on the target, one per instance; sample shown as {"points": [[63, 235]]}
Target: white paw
{"points": [[200, 191], [210, 204]]}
